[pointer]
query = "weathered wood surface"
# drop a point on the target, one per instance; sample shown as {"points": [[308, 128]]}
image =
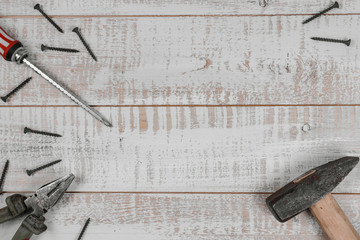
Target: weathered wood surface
{"points": [[267, 60], [178, 149], [177, 216], [174, 52], [173, 7]]}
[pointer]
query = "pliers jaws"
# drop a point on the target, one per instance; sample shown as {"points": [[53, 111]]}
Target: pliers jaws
{"points": [[48, 195]]}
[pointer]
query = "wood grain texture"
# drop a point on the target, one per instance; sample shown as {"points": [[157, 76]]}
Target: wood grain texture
{"points": [[191, 60], [174, 52], [177, 216], [172, 7], [332, 219], [181, 149]]}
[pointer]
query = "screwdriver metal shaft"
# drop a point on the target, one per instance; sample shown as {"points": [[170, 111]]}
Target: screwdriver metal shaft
{"points": [[68, 93], [12, 50]]}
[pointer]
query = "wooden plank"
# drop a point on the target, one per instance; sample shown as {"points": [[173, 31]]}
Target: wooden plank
{"points": [[177, 216], [181, 149], [192, 60], [173, 7]]}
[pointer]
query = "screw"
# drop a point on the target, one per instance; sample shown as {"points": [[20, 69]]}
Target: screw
{"points": [[346, 42], [31, 172], [16, 89], [335, 5], [28, 130], [44, 48], [37, 7], [84, 228], [77, 31], [3, 175]]}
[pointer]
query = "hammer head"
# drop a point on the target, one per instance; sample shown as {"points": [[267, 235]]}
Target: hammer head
{"points": [[309, 188]]}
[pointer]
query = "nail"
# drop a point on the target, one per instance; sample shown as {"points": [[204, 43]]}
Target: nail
{"points": [[77, 31], [37, 7], [28, 130], [346, 42], [16, 89], [84, 228], [3, 176], [31, 172], [44, 48], [335, 5]]}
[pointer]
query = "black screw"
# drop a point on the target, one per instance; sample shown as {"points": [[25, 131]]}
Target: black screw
{"points": [[3, 175], [44, 48], [84, 228], [16, 89], [31, 172], [346, 42], [335, 5], [77, 31], [37, 7], [28, 130]]}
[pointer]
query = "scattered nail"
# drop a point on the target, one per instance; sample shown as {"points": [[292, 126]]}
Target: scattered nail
{"points": [[16, 89], [31, 172], [3, 176], [37, 7], [346, 42], [44, 48], [77, 31], [335, 5], [84, 228], [28, 130]]}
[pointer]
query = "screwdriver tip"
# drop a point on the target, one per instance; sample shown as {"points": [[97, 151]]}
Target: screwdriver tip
{"points": [[107, 123]]}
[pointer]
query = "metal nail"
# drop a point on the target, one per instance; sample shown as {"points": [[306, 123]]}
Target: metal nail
{"points": [[3, 176], [44, 48], [84, 228], [31, 172], [77, 31], [346, 42], [29, 130], [335, 5], [37, 7], [16, 89]]}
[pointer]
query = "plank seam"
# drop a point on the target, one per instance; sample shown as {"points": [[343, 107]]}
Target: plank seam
{"points": [[179, 105], [175, 16], [175, 193]]}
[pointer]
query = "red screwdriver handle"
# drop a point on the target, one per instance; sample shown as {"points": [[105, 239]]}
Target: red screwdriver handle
{"points": [[8, 45]]}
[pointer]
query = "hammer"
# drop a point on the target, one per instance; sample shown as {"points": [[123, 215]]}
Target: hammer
{"points": [[312, 190]]}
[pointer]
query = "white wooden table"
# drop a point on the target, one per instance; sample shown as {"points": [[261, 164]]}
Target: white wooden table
{"points": [[208, 100]]}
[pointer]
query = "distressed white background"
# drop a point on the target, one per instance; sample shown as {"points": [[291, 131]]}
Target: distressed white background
{"points": [[207, 99]]}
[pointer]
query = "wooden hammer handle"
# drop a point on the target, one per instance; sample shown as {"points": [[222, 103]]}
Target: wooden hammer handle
{"points": [[333, 220]]}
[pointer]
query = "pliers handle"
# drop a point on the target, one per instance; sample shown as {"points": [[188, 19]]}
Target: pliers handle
{"points": [[31, 225], [15, 208]]}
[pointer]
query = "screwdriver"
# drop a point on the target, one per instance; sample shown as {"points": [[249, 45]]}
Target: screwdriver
{"points": [[12, 50]]}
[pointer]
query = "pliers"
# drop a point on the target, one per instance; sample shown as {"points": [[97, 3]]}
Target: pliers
{"points": [[36, 205]]}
